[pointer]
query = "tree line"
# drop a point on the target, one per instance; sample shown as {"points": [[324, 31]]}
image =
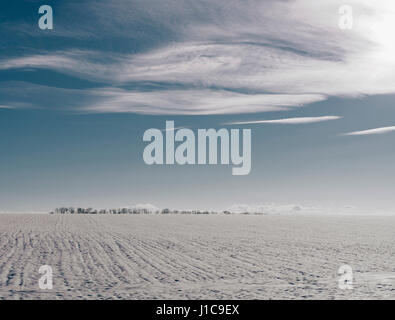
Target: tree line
{"points": [[72, 210]]}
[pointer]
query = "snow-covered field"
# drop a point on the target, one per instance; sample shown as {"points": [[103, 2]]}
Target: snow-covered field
{"points": [[195, 257]]}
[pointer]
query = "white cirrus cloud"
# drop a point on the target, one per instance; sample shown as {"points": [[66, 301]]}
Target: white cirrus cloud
{"points": [[375, 131], [299, 120], [222, 57], [193, 101]]}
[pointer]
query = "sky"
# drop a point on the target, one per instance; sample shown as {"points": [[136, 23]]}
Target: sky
{"points": [[76, 100]]}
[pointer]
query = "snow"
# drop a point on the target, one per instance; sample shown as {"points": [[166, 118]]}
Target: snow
{"points": [[195, 256]]}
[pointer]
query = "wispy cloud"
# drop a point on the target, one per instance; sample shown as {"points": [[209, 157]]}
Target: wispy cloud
{"points": [[156, 102], [193, 101], [300, 120], [227, 57], [382, 130]]}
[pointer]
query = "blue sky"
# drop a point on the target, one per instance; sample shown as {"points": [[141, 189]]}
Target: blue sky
{"points": [[76, 100]]}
